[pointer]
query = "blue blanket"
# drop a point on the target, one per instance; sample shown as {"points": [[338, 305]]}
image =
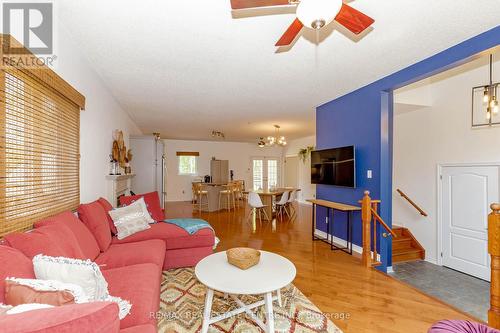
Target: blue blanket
{"points": [[189, 224]]}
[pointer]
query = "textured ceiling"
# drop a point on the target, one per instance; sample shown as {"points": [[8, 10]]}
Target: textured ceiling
{"points": [[184, 68]]}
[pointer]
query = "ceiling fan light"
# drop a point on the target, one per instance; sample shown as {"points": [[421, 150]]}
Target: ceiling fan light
{"points": [[316, 14]]}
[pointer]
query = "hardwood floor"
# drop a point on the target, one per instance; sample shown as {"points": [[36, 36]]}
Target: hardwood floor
{"points": [[355, 298]]}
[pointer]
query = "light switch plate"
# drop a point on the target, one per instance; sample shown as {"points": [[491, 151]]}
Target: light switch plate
{"points": [[369, 174]]}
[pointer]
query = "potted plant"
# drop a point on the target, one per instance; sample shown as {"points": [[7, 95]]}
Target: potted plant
{"points": [[305, 152]]}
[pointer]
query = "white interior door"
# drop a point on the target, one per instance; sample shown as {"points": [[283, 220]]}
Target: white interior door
{"points": [[265, 173], [467, 192]]}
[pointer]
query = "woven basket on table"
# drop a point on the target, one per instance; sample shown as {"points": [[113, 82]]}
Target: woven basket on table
{"points": [[243, 257]]}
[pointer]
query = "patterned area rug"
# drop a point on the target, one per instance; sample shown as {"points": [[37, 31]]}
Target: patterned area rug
{"points": [[182, 301]]}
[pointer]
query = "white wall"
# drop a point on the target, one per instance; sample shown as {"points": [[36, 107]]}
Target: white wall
{"points": [[239, 155], [102, 115], [307, 190], [437, 130]]}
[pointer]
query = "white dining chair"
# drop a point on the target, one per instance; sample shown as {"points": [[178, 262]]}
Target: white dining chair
{"points": [[290, 202], [281, 205], [256, 205]]}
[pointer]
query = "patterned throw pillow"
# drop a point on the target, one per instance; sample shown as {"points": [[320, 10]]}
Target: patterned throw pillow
{"points": [[24, 291], [131, 219], [83, 273]]}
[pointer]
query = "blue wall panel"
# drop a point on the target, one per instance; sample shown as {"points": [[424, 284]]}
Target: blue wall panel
{"points": [[364, 118]]}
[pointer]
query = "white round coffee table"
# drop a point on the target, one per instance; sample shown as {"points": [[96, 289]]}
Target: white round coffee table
{"points": [[272, 273]]}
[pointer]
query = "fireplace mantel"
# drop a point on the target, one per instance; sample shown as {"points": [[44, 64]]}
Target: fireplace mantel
{"points": [[118, 185]]}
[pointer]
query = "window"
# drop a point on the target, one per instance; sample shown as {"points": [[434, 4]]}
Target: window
{"points": [[39, 146], [188, 163]]}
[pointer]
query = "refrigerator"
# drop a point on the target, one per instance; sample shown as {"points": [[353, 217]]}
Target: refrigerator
{"points": [[148, 165]]}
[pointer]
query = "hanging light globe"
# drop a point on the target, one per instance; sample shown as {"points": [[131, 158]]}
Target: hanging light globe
{"points": [[316, 14]]}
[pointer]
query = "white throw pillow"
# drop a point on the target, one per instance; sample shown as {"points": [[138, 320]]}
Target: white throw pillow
{"points": [[27, 307], [131, 219], [83, 273], [4, 308]]}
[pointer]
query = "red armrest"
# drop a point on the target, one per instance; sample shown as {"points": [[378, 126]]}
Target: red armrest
{"points": [[96, 317]]}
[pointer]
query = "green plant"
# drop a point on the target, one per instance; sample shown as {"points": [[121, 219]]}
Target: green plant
{"points": [[305, 152]]}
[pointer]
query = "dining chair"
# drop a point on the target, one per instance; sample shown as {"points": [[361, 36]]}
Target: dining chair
{"points": [[281, 205], [256, 205], [289, 204]]}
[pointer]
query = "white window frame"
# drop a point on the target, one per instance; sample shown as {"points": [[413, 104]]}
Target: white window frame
{"points": [[195, 173]]}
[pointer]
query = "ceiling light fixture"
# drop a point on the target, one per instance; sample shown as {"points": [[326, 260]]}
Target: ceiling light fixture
{"points": [[489, 99], [316, 14], [218, 134], [277, 139], [261, 143], [490, 95]]}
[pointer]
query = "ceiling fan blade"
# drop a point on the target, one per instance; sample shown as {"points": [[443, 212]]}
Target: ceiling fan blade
{"points": [[353, 19], [290, 33], [243, 4]]}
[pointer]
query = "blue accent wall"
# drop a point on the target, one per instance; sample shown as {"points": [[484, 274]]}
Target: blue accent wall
{"points": [[364, 118]]}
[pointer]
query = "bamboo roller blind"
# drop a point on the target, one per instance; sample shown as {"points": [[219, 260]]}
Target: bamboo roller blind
{"points": [[39, 150], [188, 153]]}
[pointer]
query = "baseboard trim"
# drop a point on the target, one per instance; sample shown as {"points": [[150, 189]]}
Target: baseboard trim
{"points": [[357, 250], [339, 241]]}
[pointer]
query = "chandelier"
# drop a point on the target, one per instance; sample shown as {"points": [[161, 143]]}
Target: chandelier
{"points": [[490, 98], [485, 108], [277, 139]]}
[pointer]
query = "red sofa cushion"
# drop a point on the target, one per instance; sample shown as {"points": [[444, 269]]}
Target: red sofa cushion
{"points": [[152, 201], [119, 255], [147, 328], [139, 284], [52, 240], [176, 258], [13, 263], [107, 207], [96, 317], [175, 237], [84, 237], [95, 218]]}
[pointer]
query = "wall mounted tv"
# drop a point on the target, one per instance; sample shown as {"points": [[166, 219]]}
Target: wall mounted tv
{"points": [[336, 166]]}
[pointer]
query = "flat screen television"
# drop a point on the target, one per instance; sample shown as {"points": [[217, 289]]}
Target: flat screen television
{"points": [[336, 166]]}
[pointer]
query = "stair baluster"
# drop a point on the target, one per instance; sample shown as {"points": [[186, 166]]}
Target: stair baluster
{"points": [[494, 251], [369, 209]]}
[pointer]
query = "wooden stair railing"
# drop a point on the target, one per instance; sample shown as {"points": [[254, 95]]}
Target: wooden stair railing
{"points": [[368, 214], [494, 251], [420, 210]]}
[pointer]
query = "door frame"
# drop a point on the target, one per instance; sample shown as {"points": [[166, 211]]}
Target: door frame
{"points": [[439, 197]]}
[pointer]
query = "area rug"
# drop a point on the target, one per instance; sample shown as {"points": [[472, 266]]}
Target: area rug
{"points": [[183, 296]]}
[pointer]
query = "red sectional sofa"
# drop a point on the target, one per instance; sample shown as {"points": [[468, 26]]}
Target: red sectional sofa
{"points": [[131, 266]]}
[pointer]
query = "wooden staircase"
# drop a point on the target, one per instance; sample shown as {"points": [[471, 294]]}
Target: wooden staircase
{"points": [[405, 246]]}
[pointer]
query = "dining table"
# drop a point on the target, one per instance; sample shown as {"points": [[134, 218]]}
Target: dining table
{"points": [[270, 196]]}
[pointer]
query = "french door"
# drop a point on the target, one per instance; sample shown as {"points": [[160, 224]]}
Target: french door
{"points": [[265, 173]]}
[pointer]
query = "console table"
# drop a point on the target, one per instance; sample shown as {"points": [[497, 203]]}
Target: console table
{"points": [[332, 207]]}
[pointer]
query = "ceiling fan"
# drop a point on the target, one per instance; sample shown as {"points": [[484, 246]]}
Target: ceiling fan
{"points": [[314, 14]]}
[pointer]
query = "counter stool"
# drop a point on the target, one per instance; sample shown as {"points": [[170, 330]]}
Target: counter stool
{"points": [[200, 191], [228, 195]]}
